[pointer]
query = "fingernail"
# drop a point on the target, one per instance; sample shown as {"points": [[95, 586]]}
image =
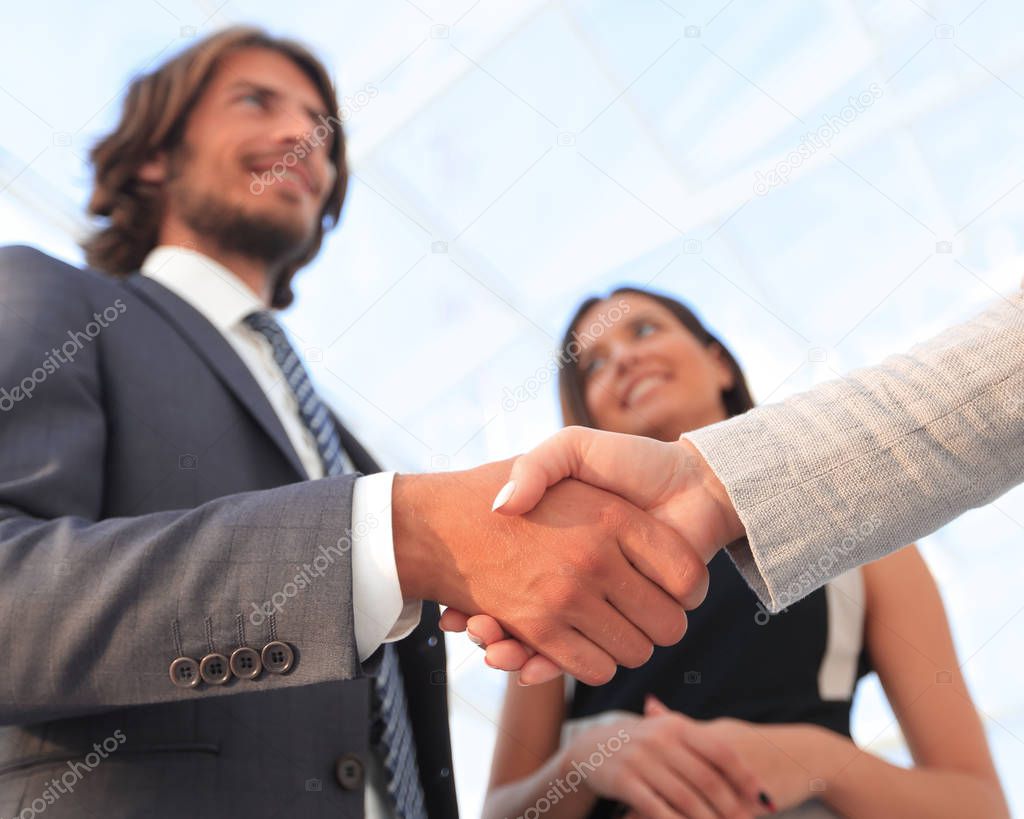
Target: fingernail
{"points": [[766, 801], [503, 495], [473, 638]]}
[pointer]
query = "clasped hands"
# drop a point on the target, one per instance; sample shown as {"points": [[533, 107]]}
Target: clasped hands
{"points": [[585, 559]]}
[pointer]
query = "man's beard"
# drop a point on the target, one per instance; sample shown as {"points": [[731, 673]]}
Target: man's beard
{"points": [[275, 242]]}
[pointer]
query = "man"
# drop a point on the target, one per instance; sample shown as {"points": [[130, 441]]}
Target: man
{"points": [[191, 627]]}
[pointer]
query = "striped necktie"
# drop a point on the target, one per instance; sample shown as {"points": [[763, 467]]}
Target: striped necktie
{"points": [[392, 730]]}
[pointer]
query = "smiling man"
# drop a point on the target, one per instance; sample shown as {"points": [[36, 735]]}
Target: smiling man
{"points": [[211, 595]]}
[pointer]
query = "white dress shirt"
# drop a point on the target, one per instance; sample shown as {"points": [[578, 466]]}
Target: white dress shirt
{"points": [[380, 613]]}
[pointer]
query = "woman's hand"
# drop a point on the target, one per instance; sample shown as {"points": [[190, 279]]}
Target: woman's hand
{"points": [[777, 755], [666, 766], [504, 652], [671, 480]]}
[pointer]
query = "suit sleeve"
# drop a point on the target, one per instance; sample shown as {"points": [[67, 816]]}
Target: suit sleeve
{"points": [[856, 468], [92, 609]]}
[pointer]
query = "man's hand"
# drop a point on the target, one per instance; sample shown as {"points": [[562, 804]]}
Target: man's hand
{"points": [[585, 578], [671, 481]]}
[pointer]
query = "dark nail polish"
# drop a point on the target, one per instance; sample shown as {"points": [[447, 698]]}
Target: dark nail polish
{"points": [[766, 801]]}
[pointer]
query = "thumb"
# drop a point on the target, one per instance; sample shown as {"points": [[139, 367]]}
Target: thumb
{"points": [[653, 707], [545, 465]]}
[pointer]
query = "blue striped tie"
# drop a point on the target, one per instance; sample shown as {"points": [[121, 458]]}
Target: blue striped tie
{"points": [[392, 731]]}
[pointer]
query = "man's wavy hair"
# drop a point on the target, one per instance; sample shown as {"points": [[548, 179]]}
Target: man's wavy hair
{"points": [[153, 119]]}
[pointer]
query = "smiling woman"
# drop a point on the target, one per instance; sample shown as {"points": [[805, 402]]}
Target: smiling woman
{"points": [[748, 713], [258, 98], [681, 352]]}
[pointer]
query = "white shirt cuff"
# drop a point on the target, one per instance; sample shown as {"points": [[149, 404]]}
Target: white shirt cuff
{"points": [[381, 614]]}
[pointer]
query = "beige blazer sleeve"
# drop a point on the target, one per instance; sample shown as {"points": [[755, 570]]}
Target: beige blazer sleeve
{"points": [[858, 467]]}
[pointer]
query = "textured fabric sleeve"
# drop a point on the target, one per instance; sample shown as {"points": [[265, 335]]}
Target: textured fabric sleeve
{"points": [[856, 468]]}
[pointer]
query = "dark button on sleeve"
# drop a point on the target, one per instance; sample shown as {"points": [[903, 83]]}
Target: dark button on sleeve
{"points": [[213, 668], [184, 672], [277, 657], [245, 663]]}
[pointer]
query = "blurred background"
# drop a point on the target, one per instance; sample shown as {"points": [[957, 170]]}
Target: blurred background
{"points": [[825, 181]]}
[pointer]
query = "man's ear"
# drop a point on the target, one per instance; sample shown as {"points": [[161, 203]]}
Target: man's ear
{"points": [[154, 170]]}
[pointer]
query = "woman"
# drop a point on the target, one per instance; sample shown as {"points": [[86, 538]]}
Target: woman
{"points": [[743, 690]]}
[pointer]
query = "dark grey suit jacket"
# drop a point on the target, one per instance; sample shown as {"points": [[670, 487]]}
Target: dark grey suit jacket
{"points": [[147, 489]]}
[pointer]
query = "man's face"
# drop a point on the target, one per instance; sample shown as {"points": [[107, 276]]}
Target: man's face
{"points": [[254, 121]]}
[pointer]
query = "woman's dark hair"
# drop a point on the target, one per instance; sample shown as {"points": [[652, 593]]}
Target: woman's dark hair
{"points": [[153, 119], [737, 399]]}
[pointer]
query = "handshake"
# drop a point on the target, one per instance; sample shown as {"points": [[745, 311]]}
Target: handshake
{"points": [[582, 554]]}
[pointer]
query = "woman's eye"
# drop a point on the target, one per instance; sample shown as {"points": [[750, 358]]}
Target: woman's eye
{"points": [[593, 366], [253, 97], [644, 328]]}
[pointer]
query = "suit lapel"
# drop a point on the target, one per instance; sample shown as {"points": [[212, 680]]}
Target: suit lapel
{"points": [[214, 349]]}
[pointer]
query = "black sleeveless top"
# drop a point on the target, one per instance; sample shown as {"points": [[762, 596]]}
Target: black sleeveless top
{"points": [[736, 660]]}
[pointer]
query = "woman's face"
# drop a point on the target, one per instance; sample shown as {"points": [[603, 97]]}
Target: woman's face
{"points": [[645, 373]]}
